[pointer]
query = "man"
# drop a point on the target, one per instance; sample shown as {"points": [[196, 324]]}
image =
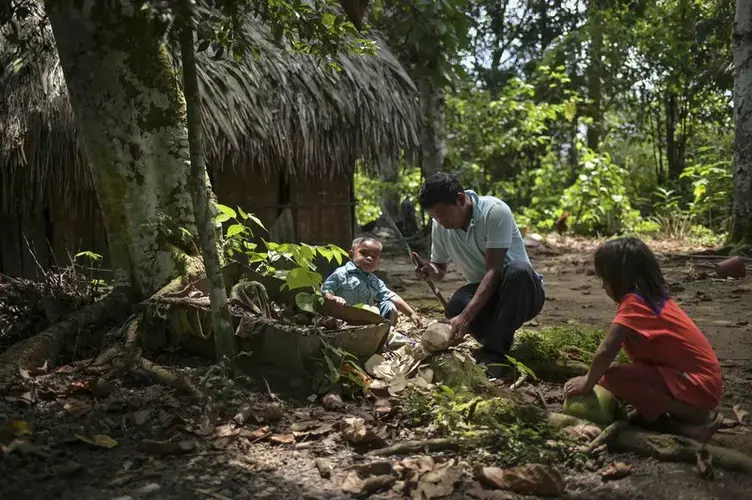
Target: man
{"points": [[480, 236]]}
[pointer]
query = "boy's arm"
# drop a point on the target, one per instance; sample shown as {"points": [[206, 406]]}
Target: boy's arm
{"points": [[604, 355], [405, 309], [331, 286]]}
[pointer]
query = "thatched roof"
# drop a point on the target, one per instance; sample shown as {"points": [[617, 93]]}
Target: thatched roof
{"points": [[277, 111]]}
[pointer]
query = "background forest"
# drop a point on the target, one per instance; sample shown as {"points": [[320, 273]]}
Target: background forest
{"points": [[619, 113]]}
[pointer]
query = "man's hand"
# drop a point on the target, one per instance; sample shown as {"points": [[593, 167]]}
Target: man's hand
{"points": [[577, 385], [459, 327], [415, 318]]}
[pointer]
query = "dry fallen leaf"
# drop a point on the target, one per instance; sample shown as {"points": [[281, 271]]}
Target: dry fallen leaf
{"points": [[282, 438], [23, 447], [532, 479], [18, 427], [273, 413], [311, 428], [167, 447], [439, 482], [742, 415], [24, 373], [324, 466], [79, 387], [583, 432], [615, 470], [140, 417], [332, 402], [355, 431], [77, 407], [705, 464], [369, 478], [254, 434], [100, 440], [382, 408], [481, 494]]}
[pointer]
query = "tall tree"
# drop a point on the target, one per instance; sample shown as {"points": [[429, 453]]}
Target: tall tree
{"points": [[741, 232], [428, 36]]}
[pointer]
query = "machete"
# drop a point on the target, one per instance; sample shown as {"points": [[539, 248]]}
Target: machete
{"points": [[413, 256]]}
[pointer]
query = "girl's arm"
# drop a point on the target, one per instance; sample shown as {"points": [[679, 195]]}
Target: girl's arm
{"points": [[604, 356], [606, 353]]}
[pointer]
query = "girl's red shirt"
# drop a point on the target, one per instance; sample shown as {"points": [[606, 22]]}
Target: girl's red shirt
{"points": [[667, 338]]}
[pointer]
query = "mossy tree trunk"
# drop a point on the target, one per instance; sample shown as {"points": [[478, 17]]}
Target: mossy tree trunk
{"points": [[131, 117], [433, 135], [741, 232]]}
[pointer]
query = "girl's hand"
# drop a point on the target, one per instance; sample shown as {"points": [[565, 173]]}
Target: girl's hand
{"points": [[577, 385], [339, 301]]}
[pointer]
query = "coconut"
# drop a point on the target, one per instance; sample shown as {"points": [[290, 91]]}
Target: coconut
{"points": [[437, 337], [598, 406]]}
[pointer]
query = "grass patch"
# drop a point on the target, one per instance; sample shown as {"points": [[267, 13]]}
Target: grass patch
{"points": [[495, 430], [570, 341]]}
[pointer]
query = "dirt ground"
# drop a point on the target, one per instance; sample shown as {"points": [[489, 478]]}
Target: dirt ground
{"points": [[223, 462]]}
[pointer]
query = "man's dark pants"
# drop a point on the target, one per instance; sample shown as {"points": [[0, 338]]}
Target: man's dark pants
{"points": [[518, 298]]}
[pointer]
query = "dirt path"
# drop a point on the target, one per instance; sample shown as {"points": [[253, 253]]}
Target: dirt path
{"points": [[223, 464]]}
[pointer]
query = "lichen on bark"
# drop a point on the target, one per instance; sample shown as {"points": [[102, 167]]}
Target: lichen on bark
{"points": [[132, 121]]}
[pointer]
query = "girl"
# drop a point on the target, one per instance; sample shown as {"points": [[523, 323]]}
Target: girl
{"points": [[674, 372]]}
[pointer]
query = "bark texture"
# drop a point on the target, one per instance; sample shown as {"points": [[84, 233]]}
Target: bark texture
{"points": [[131, 118], [224, 336], [433, 135], [594, 73], [741, 232]]}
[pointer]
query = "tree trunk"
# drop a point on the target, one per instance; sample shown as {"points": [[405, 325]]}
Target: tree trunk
{"points": [[389, 175], [432, 141], [595, 70], [131, 118], [741, 232], [224, 336]]}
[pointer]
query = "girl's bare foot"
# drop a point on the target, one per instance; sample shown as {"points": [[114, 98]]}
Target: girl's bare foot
{"points": [[702, 432]]}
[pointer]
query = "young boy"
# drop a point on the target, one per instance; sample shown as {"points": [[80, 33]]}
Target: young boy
{"points": [[355, 283]]}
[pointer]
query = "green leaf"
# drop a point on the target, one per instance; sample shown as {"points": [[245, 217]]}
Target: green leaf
{"points": [[302, 278], [222, 218], [235, 229], [224, 209], [94, 257], [308, 301], [258, 222], [242, 213]]}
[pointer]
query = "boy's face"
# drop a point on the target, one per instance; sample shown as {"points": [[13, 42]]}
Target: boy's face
{"points": [[367, 255]]}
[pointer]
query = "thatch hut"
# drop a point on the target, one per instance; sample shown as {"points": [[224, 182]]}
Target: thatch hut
{"points": [[283, 136]]}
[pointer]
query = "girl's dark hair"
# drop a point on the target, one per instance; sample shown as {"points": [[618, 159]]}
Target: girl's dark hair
{"points": [[628, 265]]}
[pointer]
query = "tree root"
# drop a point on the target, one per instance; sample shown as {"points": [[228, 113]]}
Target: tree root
{"points": [[163, 376], [624, 438], [670, 448], [408, 447], [47, 344]]}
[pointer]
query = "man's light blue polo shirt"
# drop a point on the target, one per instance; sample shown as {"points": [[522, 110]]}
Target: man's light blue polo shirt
{"points": [[492, 226]]}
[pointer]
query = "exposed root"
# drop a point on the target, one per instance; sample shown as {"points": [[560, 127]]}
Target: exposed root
{"points": [[46, 345], [163, 376], [672, 448], [428, 445], [623, 438]]}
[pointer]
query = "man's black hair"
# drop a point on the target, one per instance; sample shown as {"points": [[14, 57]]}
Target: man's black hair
{"points": [[628, 265], [439, 188]]}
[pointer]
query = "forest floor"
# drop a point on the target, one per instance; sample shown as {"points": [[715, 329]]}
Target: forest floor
{"points": [[208, 456]]}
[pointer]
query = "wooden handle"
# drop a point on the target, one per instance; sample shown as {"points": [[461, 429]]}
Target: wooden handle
{"points": [[419, 263]]}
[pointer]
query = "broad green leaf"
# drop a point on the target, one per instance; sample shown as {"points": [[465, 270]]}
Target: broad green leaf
{"points": [[235, 229], [242, 213], [307, 301], [224, 209]]}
